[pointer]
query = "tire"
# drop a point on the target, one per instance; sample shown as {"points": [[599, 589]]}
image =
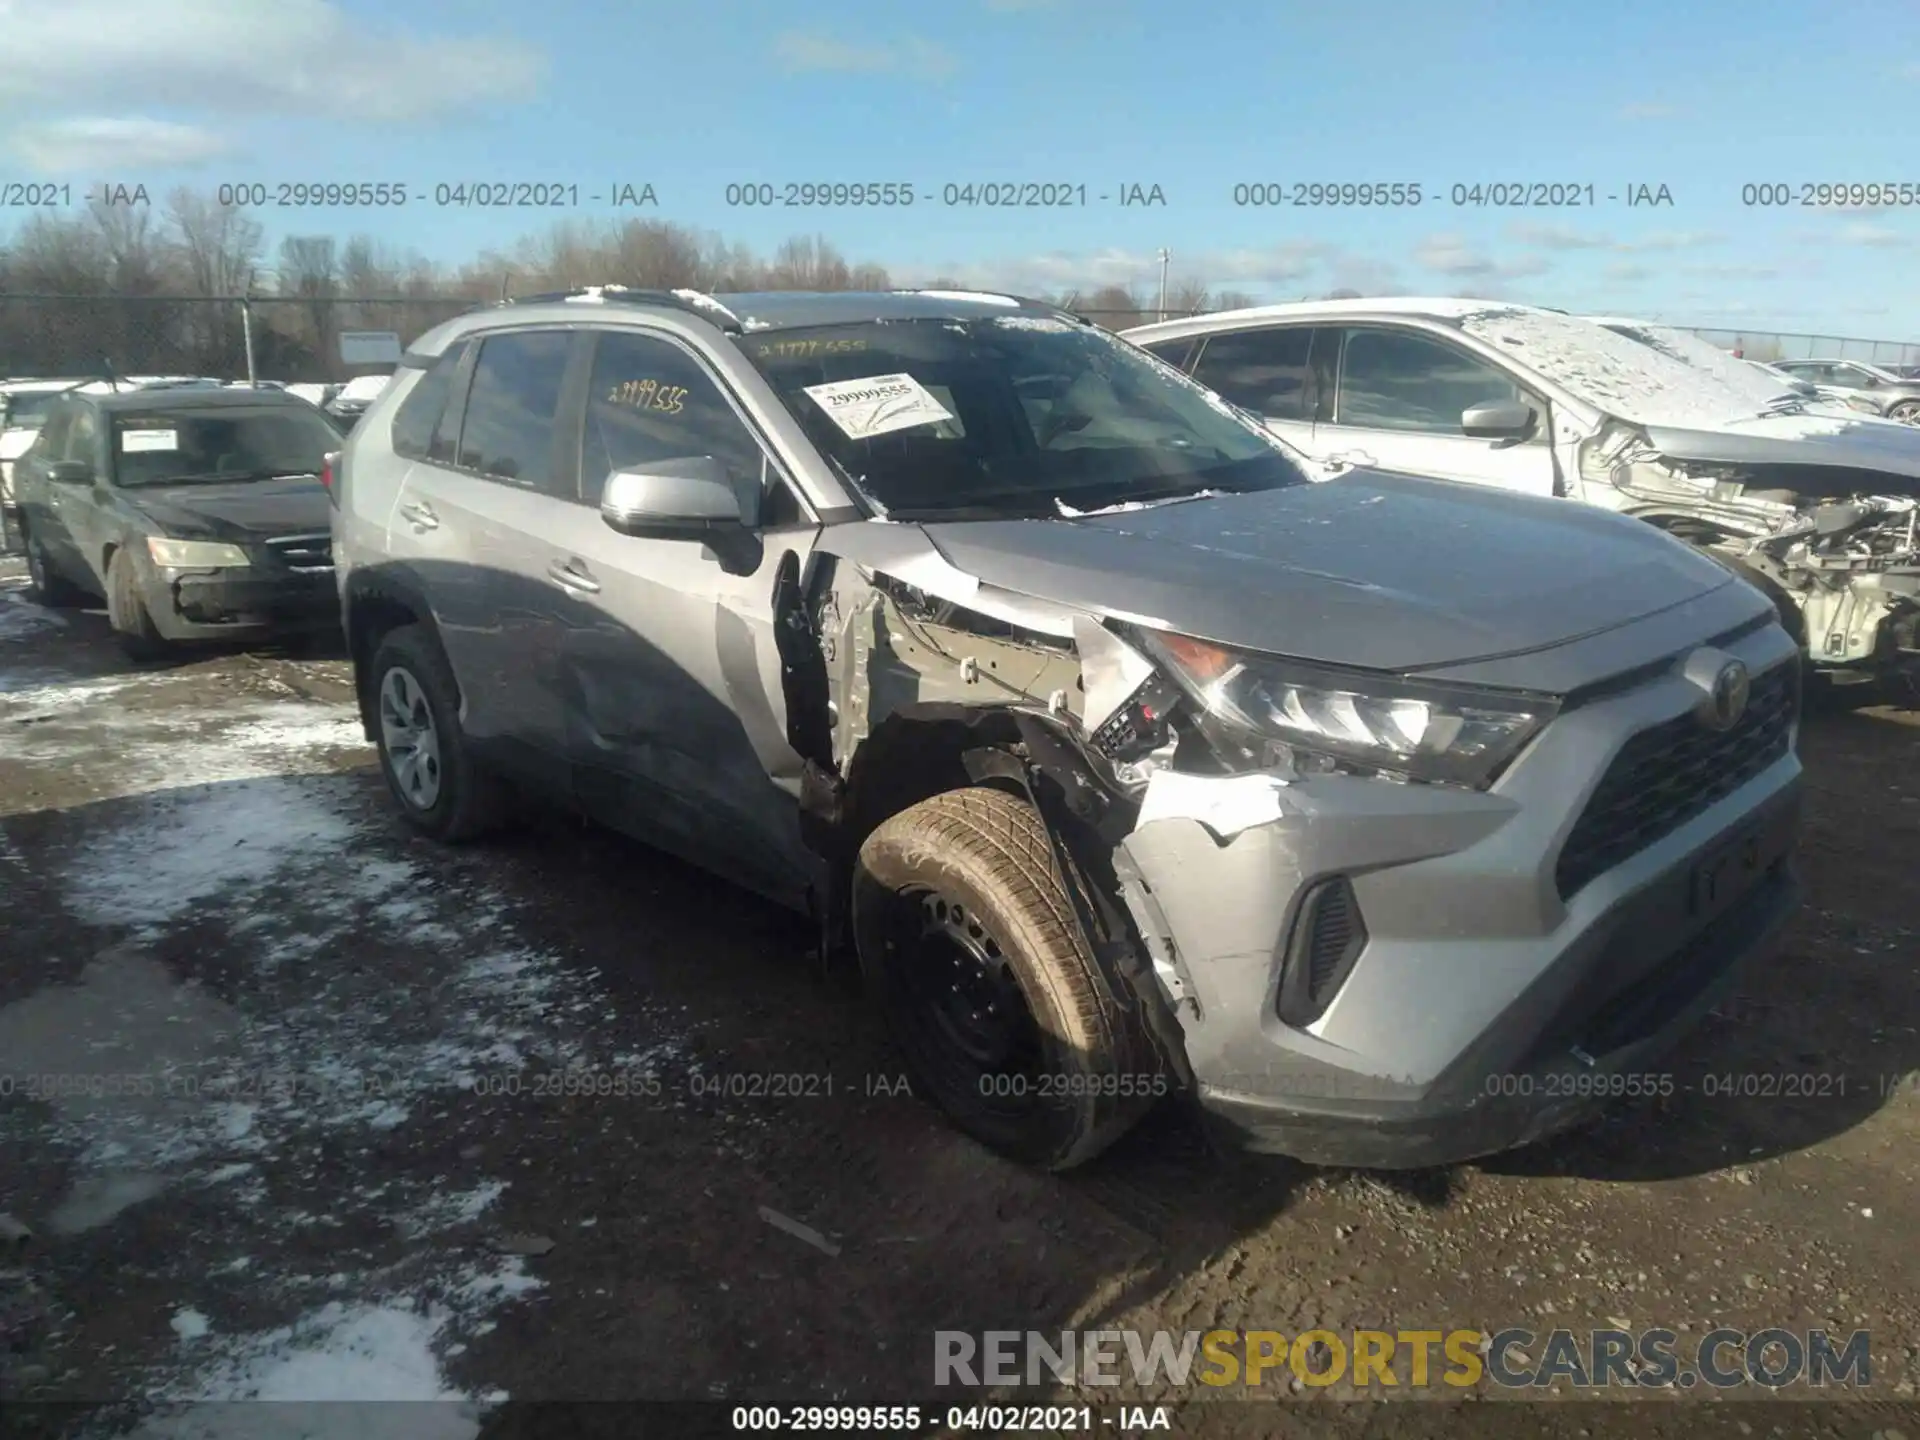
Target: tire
{"points": [[437, 786], [961, 896], [1907, 412], [127, 612], [45, 583]]}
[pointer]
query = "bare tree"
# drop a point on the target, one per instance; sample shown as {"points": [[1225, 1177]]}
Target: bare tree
{"points": [[1187, 297], [1115, 306], [1234, 300]]}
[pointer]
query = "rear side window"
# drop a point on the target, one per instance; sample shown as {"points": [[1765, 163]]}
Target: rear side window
{"points": [[1264, 371], [509, 430], [419, 417], [1175, 352]]}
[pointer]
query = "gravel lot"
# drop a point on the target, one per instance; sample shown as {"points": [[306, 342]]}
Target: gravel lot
{"points": [[349, 1159]]}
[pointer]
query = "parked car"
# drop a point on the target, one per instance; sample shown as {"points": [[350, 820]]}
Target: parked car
{"points": [[353, 398], [314, 393], [1895, 396], [1813, 504], [1399, 819], [196, 513], [23, 408]]}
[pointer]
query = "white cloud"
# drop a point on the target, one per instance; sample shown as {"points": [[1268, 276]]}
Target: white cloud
{"points": [[1878, 236], [1278, 265], [800, 51], [121, 145], [1454, 255], [1563, 237], [306, 57], [1627, 273], [1664, 240]]}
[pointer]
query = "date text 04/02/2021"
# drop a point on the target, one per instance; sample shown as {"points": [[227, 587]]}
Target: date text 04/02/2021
{"points": [[984, 1419]]}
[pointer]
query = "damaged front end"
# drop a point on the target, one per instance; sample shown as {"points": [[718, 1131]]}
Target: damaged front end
{"points": [[1837, 552]]}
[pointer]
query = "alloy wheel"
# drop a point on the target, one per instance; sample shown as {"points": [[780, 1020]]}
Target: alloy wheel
{"points": [[410, 739]]}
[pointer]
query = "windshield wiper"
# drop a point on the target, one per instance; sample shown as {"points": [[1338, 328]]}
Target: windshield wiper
{"points": [[240, 478]]}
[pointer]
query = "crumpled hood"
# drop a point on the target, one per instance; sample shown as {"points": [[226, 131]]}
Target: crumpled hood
{"points": [[249, 510], [1886, 447], [1370, 570]]}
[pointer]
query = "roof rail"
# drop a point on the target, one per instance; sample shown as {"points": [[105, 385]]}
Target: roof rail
{"points": [[692, 301]]}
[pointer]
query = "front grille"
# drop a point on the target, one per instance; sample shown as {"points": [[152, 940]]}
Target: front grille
{"points": [[306, 553], [1666, 775]]}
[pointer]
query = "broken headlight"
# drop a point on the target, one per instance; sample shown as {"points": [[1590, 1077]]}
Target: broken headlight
{"points": [[1313, 718]]}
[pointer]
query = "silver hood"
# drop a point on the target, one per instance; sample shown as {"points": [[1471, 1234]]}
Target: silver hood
{"points": [[1369, 570], [1886, 448]]}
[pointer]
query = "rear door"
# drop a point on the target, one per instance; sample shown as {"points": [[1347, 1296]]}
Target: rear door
{"points": [[473, 523], [1397, 405], [673, 687], [61, 514]]}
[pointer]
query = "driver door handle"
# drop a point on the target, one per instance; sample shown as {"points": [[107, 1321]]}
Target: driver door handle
{"points": [[573, 575], [420, 515]]}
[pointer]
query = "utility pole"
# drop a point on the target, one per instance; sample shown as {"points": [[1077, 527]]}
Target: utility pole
{"points": [[246, 330], [1166, 258]]}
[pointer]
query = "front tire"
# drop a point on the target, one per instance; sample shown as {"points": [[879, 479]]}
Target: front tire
{"points": [[45, 583], [433, 779], [127, 611], [1907, 412], [973, 947]]}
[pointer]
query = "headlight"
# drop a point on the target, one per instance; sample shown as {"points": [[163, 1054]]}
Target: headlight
{"points": [[195, 554], [1314, 718]]}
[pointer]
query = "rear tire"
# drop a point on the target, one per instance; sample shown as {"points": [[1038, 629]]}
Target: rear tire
{"points": [[45, 584], [416, 705], [972, 945], [127, 612]]}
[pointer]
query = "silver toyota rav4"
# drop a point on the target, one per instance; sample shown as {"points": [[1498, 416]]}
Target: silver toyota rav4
{"points": [[1397, 821]]}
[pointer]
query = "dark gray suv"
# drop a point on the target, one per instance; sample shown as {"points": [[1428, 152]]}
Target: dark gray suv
{"points": [[1397, 821]]}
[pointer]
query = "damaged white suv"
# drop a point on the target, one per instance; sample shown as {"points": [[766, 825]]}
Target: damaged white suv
{"points": [[1811, 502], [1396, 821]]}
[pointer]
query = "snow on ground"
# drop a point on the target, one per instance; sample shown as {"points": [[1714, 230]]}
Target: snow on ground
{"points": [[362, 995], [20, 617]]}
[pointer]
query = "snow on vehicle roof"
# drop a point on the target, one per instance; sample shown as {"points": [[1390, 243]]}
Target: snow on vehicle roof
{"points": [[1690, 349]]}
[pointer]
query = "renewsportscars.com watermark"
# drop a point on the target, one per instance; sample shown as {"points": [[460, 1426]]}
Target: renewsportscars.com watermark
{"points": [[1457, 1359]]}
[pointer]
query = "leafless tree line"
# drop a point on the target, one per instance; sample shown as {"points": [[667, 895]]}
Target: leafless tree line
{"points": [[156, 288]]}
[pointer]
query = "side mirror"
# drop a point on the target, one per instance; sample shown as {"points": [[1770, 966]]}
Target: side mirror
{"points": [[1498, 420], [695, 498], [70, 472]]}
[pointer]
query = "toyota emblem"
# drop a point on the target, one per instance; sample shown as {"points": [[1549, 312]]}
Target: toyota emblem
{"points": [[1727, 701]]}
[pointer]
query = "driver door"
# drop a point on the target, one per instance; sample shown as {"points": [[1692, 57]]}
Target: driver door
{"points": [[1397, 405], [671, 682]]}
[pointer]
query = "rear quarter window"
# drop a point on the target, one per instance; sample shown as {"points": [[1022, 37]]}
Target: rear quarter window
{"points": [[418, 419]]}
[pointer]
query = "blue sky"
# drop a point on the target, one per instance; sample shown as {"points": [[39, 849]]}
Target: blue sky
{"points": [[1703, 97]]}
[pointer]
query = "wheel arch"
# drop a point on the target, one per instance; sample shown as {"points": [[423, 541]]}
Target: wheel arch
{"points": [[375, 604]]}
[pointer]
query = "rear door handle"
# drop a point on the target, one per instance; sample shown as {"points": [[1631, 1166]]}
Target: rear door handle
{"points": [[420, 515], [572, 575]]}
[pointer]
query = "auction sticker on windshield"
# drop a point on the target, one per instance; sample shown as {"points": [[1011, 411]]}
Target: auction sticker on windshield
{"points": [[878, 404], [133, 441]]}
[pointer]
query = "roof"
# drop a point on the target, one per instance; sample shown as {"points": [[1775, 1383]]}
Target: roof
{"points": [[193, 397], [794, 309], [1437, 307]]}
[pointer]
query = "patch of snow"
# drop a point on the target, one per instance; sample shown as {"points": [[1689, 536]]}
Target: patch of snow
{"points": [[189, 1324], [1045, 324], [20, 617], [339, 1352], [443, 1212], [982, 297]]}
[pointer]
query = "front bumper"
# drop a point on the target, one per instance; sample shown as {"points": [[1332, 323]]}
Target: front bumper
{"points": [[241, 605], [1483, 1011]]}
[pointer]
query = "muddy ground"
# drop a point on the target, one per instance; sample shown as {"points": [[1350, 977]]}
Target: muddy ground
{"points": [[297, 1105]]}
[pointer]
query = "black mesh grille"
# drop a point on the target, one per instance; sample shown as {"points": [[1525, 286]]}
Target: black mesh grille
{"points": [[1666, 775]]}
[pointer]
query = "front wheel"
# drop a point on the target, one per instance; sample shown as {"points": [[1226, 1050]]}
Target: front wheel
{"points": [[422, 753], [971, 942], [1907, 412], [127, 611]]}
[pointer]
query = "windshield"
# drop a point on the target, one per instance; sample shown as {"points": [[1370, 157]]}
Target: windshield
{"points": [[1010, 414], [1650, 378], [27, 411], [162, 447]]}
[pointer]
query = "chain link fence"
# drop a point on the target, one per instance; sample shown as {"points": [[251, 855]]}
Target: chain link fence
{"points": [[291, 338], [296, 338]]}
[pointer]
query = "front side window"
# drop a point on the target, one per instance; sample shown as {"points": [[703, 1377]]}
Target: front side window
{"points": [[81, 437], [1393, 380], [1008, 415], [1264, 371], [224, 446], [508, 433]]}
